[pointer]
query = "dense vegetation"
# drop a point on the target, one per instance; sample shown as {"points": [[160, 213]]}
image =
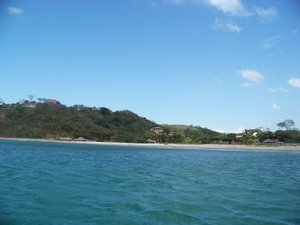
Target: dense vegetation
{"points": [[99, 124], [189, 134], [57, 121], [54, 121]]}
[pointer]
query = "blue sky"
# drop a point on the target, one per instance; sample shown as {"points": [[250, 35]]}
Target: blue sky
{"points": [[222, 64]]}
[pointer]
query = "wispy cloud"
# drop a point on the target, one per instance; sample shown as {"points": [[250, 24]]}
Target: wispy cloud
{"points": [[266, 15], [275, 107], [226, 26], [270, 42], [248, 84], [15, 11], [175, 2], [232, 7], [275, 90], [236, 131], [220, 130], [294, 82], [252, 77]]}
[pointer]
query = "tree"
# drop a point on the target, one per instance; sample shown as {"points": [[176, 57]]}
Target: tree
{"points": [[265, 135], [177, 138], [188, 140], [23, 101], [287, 124], [250, 136], [41, 100], [30, 97], [105, 111], [78, 107]]}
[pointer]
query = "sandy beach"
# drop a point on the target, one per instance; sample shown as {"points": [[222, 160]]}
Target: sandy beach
{"points": [[225, 147]]}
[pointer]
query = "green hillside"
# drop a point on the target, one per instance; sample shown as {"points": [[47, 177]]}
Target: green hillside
{"points": [[189, 134], [57, 121], [52, 120]]}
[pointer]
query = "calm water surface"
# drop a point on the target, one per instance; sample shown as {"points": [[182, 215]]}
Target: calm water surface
{"points": [[51, 183]]}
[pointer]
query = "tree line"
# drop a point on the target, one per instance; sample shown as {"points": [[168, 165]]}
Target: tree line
{"points": [[45, 120]]}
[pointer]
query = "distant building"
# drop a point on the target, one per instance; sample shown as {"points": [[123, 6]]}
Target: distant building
{"points": [[239, 136], [80, 139], [52, 101], [65, 139], [150, 141], [271, 141], [3, 106], [29, 105], [158, 130]]}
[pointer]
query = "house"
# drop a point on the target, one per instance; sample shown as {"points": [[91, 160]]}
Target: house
{"points": [[271, 141], [30, 105], [150, 141], [80, 139], [65, 139], [52, 101], [3, 106], [239, 136], [158, 130]]}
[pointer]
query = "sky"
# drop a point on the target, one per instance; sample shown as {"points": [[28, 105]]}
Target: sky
{"points": [[227, 65]]}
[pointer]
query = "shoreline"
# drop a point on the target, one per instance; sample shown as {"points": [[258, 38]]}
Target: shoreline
{"points": [[222, 147]]}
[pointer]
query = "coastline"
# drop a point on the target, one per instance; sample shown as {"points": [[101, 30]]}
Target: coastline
{"points": [[224, 147]]}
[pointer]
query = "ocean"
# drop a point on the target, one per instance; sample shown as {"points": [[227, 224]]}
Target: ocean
{"points": [[57, 183]]}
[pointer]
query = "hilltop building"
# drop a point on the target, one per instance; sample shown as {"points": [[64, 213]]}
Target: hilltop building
{"points": [[31, 105], [52, 101], [158, 130]]}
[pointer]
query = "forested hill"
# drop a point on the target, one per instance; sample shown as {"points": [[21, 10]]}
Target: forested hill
{"points": [[56, 121]]}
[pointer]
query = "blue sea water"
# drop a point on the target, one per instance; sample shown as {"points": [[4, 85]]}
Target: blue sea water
{"points": [[54, 183]]}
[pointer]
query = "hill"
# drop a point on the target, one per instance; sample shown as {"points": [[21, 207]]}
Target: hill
{"points": [[56, 121], [189, 134]]}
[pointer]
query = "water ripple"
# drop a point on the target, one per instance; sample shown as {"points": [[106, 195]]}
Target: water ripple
{"points": [[48, 183]]}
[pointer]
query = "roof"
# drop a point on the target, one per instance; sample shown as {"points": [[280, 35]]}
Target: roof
{"points": [[268, 140], [52, 101]]}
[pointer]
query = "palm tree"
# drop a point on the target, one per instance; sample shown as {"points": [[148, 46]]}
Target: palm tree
{"points": [[250, 136]]}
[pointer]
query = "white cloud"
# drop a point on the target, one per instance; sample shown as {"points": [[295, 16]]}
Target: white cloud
{"points": [[15, 11], [247, 84], [280, 89], [236, 131], [232, 7], [270, 42], [239, 130], [175, 2], [275, 107], [252, 75], [226, 26], [266, 15], [220, 130], [294, 82]]}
